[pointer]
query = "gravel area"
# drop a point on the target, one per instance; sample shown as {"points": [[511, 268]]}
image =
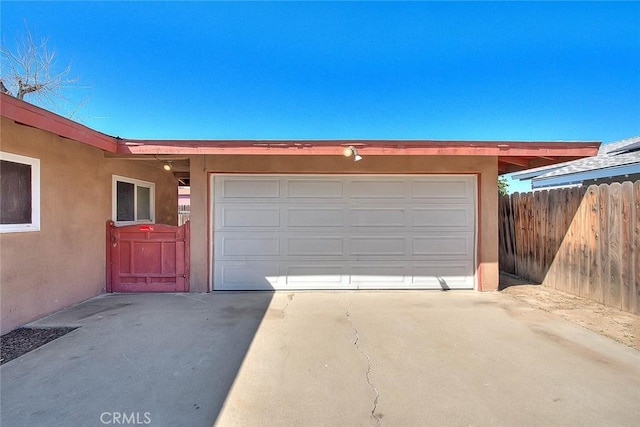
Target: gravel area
{"points": [[22, 340]]}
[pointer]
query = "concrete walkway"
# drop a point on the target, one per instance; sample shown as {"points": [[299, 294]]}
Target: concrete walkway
{"points": [[320, 358]]}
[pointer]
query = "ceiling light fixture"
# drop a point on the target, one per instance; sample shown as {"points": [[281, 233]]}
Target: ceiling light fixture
{"points": [[351, 150], [167, 166]]}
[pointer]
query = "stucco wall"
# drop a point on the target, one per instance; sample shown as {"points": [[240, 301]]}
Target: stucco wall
{"points": [[64, 263], [485, 167]]}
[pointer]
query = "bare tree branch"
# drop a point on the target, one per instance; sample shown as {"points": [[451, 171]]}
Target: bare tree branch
{"points": [[30, 70]]}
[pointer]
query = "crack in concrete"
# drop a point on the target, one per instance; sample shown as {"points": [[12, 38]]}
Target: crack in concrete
{"points": [[368, 374], [284, 310]]}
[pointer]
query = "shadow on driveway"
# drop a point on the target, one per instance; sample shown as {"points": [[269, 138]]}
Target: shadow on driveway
{"points": [[170, 359]]}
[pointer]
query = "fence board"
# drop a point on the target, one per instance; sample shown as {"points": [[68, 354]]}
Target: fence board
{"points": [[515, 211], [595, 274], [507, 251], [636, 245], [523, 236], [543, 265], [615, 276], [552, 246], [626, 246], [565, 250], [582, 240], [512, 246], [564, 278], [574, 286], [531, 236], [585, 254], [538, 230], [605, 264]]}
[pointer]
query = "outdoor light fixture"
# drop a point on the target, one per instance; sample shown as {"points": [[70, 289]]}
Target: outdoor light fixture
{"points": [[167, 166], [351, 150]]}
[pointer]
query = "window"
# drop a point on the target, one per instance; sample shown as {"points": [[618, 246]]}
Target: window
{"points": [[133, 200], [19, 193]]}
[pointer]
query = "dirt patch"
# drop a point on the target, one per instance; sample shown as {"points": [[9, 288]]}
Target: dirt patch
{"points": [[23, 340], [616, 324]]}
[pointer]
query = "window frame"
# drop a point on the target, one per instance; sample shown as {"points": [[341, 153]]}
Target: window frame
{"points": [[137, 183], [34, 225]]}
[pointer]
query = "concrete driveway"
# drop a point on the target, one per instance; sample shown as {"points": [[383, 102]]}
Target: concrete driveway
{"points": [[320, 358]]}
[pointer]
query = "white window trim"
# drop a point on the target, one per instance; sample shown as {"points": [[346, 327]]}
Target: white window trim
{"points": [[35, 194], [138, 183]]}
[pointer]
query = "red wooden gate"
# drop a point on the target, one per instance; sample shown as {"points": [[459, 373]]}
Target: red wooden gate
{"points": [[147, 258]]}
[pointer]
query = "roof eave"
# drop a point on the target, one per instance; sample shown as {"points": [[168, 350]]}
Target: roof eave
{"points": [[30, 115], [577, 177], [506, 149]]}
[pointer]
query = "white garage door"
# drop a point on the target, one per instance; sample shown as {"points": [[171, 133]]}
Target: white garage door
{"points": [[343, 232]]}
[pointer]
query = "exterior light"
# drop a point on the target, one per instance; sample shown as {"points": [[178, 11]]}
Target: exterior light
{"points": [[352, 151], [167, 166]]}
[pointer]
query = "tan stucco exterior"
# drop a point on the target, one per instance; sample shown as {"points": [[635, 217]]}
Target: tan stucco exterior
{"points": [[485, 167], [64, 263]]}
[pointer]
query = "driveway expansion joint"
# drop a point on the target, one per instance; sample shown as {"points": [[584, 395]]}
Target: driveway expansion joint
{"points": [[368, 374]]}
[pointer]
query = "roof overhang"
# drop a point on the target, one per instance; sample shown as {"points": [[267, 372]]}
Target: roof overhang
{"points": [[29, 115], [512, 155], [578, 177]]}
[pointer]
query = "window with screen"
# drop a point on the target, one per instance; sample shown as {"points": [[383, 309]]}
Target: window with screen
{"points": [[133, 200]]}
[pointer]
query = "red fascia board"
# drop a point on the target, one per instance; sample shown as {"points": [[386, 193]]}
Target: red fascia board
{"points": [[365, 147], [30, 115]]}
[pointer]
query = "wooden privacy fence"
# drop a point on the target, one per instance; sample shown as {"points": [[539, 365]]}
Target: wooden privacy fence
{"points": [[585, 241]]}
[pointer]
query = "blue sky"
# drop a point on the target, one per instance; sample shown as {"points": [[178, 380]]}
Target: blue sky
{"points": [[314, 70]]}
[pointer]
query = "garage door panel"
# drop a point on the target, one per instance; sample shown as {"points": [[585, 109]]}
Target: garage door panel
{"points": [[441, 245], [441, 282], [377, 189], [248, 276], [310, 188], [443, 188], [447, 217], [243, 245], [443, 276], [378, 246], [315, 245], [378, 217], [248, 188], [363, 274], [248, 216], [270, 276], [314, 217], [315, 273]]}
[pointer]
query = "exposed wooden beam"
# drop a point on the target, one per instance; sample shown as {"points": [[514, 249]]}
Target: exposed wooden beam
{"points": [[516, 161]]}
